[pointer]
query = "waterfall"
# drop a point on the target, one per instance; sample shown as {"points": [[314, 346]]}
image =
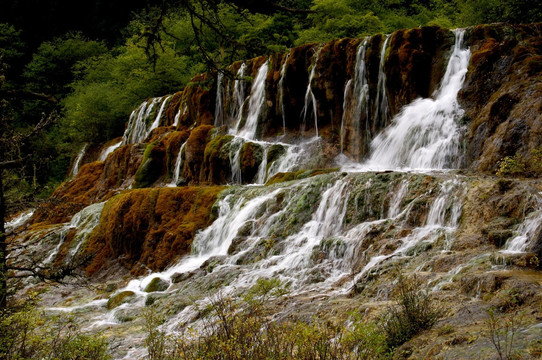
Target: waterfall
{"points": [[77, 162], [527, 232], [179, 114], [83, 222], [256, 103], [219, 107], [18, 221], [356, 105], [381, 112], [136, 130], [178, 166], [109, 150], [281, 93], [425, 135], [239, 92], [310, 99], [156, 121]]}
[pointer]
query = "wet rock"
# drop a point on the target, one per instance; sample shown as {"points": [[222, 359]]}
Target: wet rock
{"points": [[180, 277], [120, 298], [212, 262], [157, 284]]}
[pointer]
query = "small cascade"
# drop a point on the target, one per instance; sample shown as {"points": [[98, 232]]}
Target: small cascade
{"points": [[83, 222], [77, 162], [442, 219], [261, 177], [179, 114], [356, 107], [219, 107], [178, 166], [235, 149], [109, 150], [248, 128], [310, 99], [156, 121], [382, 110], [18, 221], [527, 232], [425, 135], [136, 130], [239, 92], [281, 93]]}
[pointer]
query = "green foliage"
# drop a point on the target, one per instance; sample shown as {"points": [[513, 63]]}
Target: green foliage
{"points": [[414, 312], [11, 45], [245, 330], [51, 68], [511, 165], [27, 334], [337, 19]]}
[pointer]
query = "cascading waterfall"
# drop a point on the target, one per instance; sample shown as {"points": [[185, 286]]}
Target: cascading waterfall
{"points": [[239, 92], [281, 93], [158, 118], [219, 108], [381, 111], [18, 221], [528, 230], [255, 105], [109, 150], [178, 166], [83, 222], [77, 162], [425, 134], [310, 99], [136, 130], [356, 105], [179, 114]]}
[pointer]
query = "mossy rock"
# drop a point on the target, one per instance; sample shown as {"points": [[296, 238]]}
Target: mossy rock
{"points": [[152, 298], [120, 298], [149, 170], [157, 284], [499, 237]]}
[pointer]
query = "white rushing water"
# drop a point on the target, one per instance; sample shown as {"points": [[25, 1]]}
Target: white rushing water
{"points": [[425, 134], [356, 106], [18, 221], [136, 129], [178, 166], [528, 231], [238, 92], [256, 101], [381, 111], [310, 99], [109, 150], [281, 92], [83, 222], [77, 162], [219, 108]]}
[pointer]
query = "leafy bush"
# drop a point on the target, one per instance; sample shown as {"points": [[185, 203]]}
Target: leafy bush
{"points": [[414, 312], [245, 329], [511, 165], [25, 333]]}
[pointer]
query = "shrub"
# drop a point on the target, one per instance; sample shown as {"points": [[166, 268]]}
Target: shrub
{"points": [[414, 312], [511, 165], [502, 332], [25, 333]]}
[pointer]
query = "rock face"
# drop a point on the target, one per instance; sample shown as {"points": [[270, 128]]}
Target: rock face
{"points": [[502, 95], [150, 227]]}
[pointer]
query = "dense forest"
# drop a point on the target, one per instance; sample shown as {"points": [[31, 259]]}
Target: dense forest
{"points": [[90, 71]]}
